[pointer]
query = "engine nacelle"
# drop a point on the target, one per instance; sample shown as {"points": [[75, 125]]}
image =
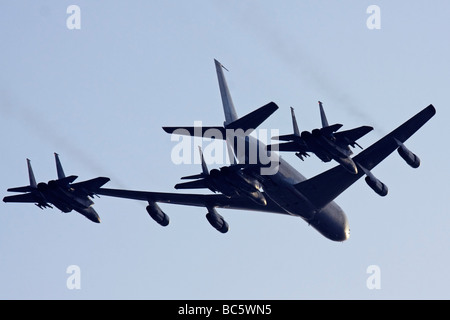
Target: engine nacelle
{"points": [[157, 214], [409, 157], [217, 221], [377, 186]]}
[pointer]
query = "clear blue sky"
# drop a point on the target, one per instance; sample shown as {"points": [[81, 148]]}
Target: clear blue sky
{"points": [[99, 96]]}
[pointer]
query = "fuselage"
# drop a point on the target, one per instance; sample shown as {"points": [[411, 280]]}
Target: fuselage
{"points": [[66, 200], [330, 220], [326, 150]]}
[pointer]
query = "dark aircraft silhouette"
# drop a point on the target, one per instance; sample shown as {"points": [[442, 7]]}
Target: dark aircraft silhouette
{"points": [[286, 191], [61, 193], [326, 143], [229, 180]]}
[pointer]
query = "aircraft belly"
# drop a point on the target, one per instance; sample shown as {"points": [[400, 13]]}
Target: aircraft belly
{"points": [[291, 201], [280, 189], [67, 202]]}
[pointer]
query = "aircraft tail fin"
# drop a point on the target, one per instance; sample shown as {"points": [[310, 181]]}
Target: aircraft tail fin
{"points": [[33, 184], [323, 116], [238, 126], [205, 170], [294, 123], [228, 106], [59, 168], [200, 180]]}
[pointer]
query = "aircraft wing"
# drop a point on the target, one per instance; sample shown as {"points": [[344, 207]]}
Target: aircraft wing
{"points": [[26, 198], [325, 187], [196, 200], [89, 187], [349, 137], [288, 146]]}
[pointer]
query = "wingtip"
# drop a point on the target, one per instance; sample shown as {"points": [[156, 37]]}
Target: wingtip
{"points": [[432, 109]]}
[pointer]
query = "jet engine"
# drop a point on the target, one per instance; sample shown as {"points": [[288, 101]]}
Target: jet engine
{"points": [[379, 187], [217, 221], [157, 214], [409, 157]]}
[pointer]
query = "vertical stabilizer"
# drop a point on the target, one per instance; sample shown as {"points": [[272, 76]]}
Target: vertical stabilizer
{"points": [[294, 123], [228, 107], [323, 116], [31, 175], [205, 170], [59, 167]]}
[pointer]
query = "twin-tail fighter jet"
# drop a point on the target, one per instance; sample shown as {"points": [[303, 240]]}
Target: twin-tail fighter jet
{"points": [[285, 190], [235, 180], [326, 143], [62, 193]]}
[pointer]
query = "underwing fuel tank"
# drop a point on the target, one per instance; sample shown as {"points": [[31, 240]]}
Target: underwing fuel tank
{"points": [[157, 214], [409, 157], [217, 221]]}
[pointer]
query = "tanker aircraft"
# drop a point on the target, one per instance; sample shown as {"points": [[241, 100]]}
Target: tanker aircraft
{"points": [[284, 190]]}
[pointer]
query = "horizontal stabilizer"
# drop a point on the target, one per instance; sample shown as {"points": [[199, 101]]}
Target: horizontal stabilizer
{"points": [[286, 137], [288, 146], [252, 120], [198, 184], [206, 132], [22, 198], [21, 189], [195, 176], [247, 124]]}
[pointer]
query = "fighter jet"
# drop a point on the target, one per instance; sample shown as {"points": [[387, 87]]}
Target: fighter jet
{"points": [[235, 180], [62, 193], [326, 143]]}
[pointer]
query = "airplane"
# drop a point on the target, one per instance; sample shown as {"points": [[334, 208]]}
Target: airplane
{"points": [[229, 180], [326, 143], [62, 193], [286, 190]]}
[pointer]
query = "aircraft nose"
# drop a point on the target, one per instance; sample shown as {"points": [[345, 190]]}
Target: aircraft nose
{"points": [[347, 232], [91, 214], [332, 223]]}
